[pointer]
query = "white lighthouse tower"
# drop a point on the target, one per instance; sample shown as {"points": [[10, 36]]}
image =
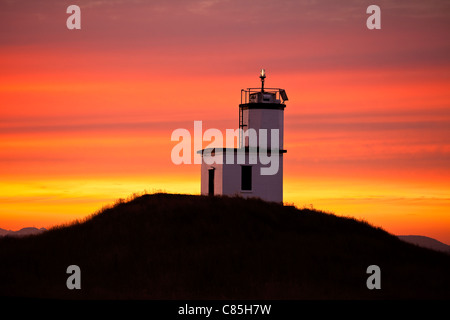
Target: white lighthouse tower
{"points": [[255, 168]]}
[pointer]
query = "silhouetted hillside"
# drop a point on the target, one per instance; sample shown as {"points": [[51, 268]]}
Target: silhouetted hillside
{"points": [[165, 246]]}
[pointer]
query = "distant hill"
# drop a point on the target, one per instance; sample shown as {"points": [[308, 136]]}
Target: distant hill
{"points": [[21, 232], [427, 242], [165, 246]]}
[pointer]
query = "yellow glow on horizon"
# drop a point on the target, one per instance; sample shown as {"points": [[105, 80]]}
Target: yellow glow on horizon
{"points": [[45, 203], [398, 207]]}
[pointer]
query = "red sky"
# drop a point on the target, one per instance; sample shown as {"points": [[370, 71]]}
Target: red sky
{"points": [[86, 115]]}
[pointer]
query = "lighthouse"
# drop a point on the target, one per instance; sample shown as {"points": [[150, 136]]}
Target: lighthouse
{"points": [[255, 167]]}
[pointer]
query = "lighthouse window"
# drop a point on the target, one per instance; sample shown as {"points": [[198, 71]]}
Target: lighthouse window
{"points": [[246, 178]]}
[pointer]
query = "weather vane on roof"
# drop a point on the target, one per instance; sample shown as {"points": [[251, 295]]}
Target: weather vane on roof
{"points": [[262, 76]]}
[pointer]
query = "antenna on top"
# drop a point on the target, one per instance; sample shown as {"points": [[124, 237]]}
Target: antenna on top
{"points": [[262, 76]]}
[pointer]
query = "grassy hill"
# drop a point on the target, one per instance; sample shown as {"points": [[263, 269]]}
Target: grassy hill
{"points": [[166, 246]]}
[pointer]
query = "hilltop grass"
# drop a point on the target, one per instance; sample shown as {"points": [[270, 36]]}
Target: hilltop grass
{"points": [[166, 246]]}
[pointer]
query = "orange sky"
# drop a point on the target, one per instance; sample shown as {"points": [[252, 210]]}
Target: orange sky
{"points": [[86, 115]]}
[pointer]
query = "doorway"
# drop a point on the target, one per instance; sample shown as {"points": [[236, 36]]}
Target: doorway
{"points": [[211, 182]]}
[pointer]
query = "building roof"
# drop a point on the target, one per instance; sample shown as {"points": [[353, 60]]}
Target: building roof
{"points": [[213, 151], [261, 105]]}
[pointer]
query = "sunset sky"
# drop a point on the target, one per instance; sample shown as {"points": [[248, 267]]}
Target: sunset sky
{"points": [[86, 115]]}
